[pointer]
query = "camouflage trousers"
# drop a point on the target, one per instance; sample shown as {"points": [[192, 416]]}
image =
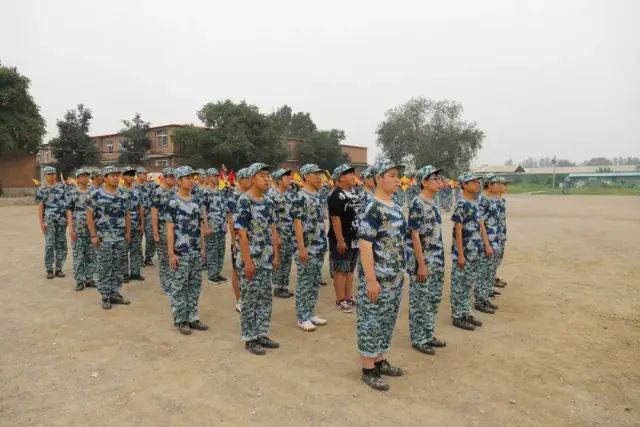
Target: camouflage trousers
{"points": [[424, 300], [149, 242], [186, 286], [500, 254], [256, 304], [111, 257], [307, 285], [55, 245], [214, 250], [285, 255], [92, 262], [164, 269], [375, 322], [133, 258], [487, 274], [461, 286], [82, 251]]}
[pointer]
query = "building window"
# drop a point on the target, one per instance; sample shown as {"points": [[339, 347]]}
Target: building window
{"points": [[109, 145], [162, 138], [119, 146], [163, 163]]}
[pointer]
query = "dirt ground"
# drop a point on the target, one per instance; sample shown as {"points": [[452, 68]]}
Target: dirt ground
{"points": [[564, 348]]}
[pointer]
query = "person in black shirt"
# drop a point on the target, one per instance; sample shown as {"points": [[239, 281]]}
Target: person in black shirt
{"points": [[344, 208]]}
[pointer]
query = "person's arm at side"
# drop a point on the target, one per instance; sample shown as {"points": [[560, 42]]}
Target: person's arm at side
{"points": [[127, 227], [276, 247], [173, 259], [460, 246], [141, 220], [154, 224], [303, 254], [91, 225], [249, 267], [417, 247]]}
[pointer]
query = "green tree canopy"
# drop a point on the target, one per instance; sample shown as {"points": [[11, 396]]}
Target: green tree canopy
{"points": [[298, 125], [598, 161], [72, 147], [237, 135], [135, 141], [323, 148], [21, 125], [423, 132]]}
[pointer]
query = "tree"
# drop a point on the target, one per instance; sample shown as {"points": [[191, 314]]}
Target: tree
{"points": [[297, 125], [21, 125], [323, 148], [564, 163], [432, 132], [135, 141], [72, 147], [237, 136], [508, 162], [598, 161]]}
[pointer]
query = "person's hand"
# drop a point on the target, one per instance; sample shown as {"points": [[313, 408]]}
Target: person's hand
{"points": [[249, 270], [95, 241], [127, 238], [373, 290], [156, 237], [43, 226], [422, 273], [342, 247], [489, 250], [461, 262], [207, 231], [173, 260], [203, 255], [303, 254], [141, 232]]}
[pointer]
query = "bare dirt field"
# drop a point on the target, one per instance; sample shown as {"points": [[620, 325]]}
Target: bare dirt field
{"points": [[564, 348]]}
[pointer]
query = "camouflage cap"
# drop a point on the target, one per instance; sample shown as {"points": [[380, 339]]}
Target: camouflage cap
{"points": [[183, 171], [168, 171], [81, 172], [257, 167], [488, 178], [425, 171], [309, 168], [502, 180], [48, 169], [341, 170], [141, 170], [384, 165], [201, 171], [110, 169], [467, 176], [280, 173], [128, 170], [242, 173], [213, 172], [367, 173], [96, 172]]}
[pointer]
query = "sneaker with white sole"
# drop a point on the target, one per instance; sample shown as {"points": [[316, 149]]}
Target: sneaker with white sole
{"points": [[239, 306], [307, 326], [318, 321], [344, 306]]}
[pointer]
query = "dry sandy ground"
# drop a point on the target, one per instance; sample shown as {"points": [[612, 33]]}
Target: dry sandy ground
{"points": [[563, 350]]}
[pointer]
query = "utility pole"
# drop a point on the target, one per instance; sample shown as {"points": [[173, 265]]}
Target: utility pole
{"points": [[553, 162]]}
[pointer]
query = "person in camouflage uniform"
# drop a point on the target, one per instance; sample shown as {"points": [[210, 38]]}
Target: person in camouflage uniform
{"points": [[282, 202], [97, 179], [78, 231], [501, 204], [466, 248], [200, 182], [255, 222], [489, 217], [306, 211], [369, 187], [144, 187], [52, 200], [383, 241], [243, 184], [217, 213], [110, 230], [426, 262], [184, 217], [159, 200], [135, 199]]}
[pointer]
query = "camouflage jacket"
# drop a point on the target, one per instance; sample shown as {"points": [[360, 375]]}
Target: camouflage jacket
{"points": [[308, 208], [54, 200], [488, 211], [160, 200], [217, 209], [466, 213], [424, 217], [256, 217], [109, 215], [282, 206], [134, 202], [77, 205], [187, 217]]}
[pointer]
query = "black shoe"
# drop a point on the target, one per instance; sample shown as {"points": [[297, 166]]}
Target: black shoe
{"points": [[281, 293], [106, 304], [323, 283], [184, 328], [473, 321], [79, 286], [495, 294], [435, 342], [266, 342], [291, 293], [499, 283], [119, 300], [148, 263], [126, 279], [222, 279], [198, 326], [385, 368], [463, 324], [90, 284], [426, 349], [375, 381], [50, 275], [484, 308], [136, 277], [60, 273], [492, 305], [255, 348]]}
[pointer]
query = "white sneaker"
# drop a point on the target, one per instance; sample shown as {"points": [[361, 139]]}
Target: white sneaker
{"points": [[239, 306], [307, 326], [318, 321]]}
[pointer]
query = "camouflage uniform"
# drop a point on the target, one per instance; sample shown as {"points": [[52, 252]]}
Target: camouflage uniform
{"points": [[308, 208], [159, 200], [145, 197], [465, 213], [55, 238], [93, 251], [133, 251], [385, 227], [488, 212], [256, 218], [217, 212], [501, 205], [185, 283], [282, 206], [109, 215], [82, 248]]}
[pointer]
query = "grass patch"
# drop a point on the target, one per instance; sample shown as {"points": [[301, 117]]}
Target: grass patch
{"points": [[588, 190]]}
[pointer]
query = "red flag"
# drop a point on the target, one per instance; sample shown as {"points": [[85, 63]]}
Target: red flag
{"points": [[232, 178]]}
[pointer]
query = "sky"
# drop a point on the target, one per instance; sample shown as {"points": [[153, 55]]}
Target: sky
{"points": [[540, 78]]}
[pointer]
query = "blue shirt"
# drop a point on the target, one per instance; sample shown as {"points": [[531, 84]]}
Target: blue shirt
{"points": [[160, 200], [308, 208], [54, 200], [488, 210], [424, 217], [255, 217], [217, 209], [134, 202], [466, 213], [187, 217], [109, 215], [77, 205]]}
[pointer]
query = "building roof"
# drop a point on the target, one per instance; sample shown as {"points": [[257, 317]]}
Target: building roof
{"points": [[499, 169], [151, 128], [580, 169]]}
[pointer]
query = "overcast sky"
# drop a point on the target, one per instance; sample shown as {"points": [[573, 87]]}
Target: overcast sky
{"points": [[539, 77]]}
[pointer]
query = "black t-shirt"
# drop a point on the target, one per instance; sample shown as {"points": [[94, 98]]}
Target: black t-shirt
{"points": [[347, 206]]}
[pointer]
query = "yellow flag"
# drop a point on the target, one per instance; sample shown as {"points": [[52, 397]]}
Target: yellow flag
{"points": [[35, 181], [296, 177], [72, 181], [61, 177], [221, 185]]}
